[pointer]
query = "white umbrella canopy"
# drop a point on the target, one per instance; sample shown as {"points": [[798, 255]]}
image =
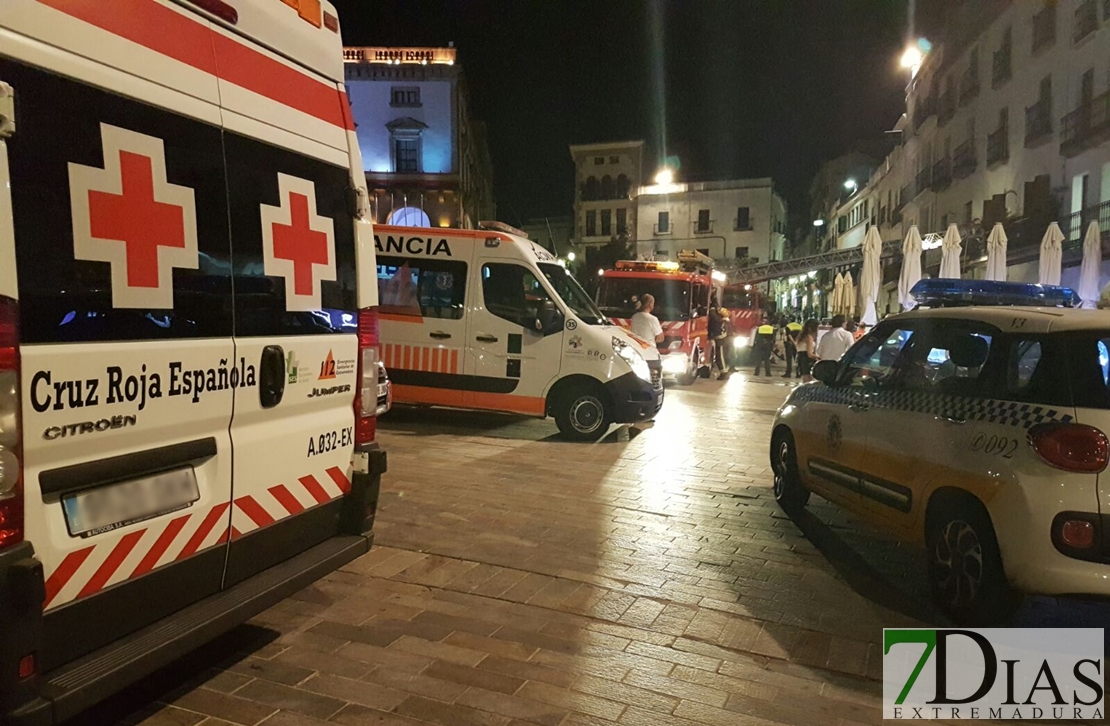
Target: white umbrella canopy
{"points": [[911, 268], [848, 296], [1052, 252], [1089, 271], [836, 300], [870, 277], [950, 250], [996, 254]]}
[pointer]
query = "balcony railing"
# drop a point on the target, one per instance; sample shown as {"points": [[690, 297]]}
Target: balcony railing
{"points": [[1000, 68], [742, 225], [947, 108], [969, 86], [1044, 27], [661, 229], [1074, 226], [701, 227], [942, 174], [998, 146], [905, 196], [963, 159], [1086, 20], [925, 108], [1086, 126], [924, 179], [1038, 121]]}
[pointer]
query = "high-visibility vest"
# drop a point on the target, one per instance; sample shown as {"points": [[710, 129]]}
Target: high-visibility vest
{"points": [[765, 330]]}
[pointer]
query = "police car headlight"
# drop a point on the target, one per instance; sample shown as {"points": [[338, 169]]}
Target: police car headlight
{"points": [[634, 360], [740, 341], [676, 364]]}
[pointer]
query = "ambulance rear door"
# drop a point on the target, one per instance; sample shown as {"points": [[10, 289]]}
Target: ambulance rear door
{"points": [[422, 289], [295, 311], [122, 250]]}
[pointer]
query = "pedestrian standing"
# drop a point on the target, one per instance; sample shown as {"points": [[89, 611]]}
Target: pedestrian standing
{"points": [[807, 350], [645, 325], [790, 348], [762, 347], [836, 342]]}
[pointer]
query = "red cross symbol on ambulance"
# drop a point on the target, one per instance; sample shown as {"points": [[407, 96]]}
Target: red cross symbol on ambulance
{"points": [[129, 215], [297, 243]]}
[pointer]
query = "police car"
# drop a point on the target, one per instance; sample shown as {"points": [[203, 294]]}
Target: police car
{"points": [[975, 431]]}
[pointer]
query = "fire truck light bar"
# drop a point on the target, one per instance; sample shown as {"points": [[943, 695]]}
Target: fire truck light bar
{"points": [[643, 266]]}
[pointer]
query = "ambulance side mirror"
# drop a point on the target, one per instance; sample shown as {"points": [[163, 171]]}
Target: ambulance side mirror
{"points": [[549, 320], [826, 370]]}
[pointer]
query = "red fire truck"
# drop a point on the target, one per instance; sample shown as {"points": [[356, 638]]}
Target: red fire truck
{"points": [[745, 308], [682, 291]]}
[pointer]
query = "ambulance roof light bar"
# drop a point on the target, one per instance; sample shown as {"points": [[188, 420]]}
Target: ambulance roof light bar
{"points": [[940, 292], [493, 226]]}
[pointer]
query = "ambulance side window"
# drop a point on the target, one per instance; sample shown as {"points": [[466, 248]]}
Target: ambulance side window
{"points": [[422, 287], [512, 292]]}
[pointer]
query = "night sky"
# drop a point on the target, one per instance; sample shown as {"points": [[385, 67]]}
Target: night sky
{"points": [[750, 89]]}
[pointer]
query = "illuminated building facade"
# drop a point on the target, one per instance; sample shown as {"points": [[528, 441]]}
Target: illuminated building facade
{"points": [[426, 159]]}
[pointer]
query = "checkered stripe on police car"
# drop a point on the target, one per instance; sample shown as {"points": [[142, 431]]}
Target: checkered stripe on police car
{"points": [[987, 410], [88, 570]]}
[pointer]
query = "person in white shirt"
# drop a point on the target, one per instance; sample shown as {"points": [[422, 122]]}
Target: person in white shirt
{"points": [[835, 343], [645, 325]]}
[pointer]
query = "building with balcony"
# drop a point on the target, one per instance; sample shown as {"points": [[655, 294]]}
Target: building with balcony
{"points": [[739, 222], [1008, 120], [426, 159], [605, 176]]}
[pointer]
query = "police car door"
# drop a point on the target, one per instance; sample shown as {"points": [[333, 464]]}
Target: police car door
{"points": [[296, 342], [510, 361], [929, 416], [422, 286], [118, 195], [847, 420]]}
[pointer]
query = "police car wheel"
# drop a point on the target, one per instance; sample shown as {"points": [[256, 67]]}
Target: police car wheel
{"points": [[582, 416], [791, 496], [965, 568]]}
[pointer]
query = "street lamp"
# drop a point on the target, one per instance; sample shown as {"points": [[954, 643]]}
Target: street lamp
{"points": [[571, 256], [818, 223], [850, 185], [664, 176]]}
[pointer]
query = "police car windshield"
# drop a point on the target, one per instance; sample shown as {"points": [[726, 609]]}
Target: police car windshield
{"points": [[619, 296], [572, 293]]}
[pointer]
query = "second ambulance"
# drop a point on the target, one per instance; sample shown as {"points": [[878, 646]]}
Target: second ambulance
{"points": [[487, 319]]}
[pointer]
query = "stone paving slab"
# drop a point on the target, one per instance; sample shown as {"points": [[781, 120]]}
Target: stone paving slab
{"points": [[519, 579]]}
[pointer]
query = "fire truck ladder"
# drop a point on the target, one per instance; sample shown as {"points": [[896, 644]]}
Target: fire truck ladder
{"points": [[802, 265]]}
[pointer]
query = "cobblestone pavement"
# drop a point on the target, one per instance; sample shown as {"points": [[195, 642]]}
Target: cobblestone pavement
{"points": [[518, 579]]}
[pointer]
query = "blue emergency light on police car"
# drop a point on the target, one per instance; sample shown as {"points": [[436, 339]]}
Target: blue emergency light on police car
{"points": [[942, 292]]}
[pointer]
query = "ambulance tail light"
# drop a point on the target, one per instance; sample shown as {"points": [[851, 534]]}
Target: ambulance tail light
{"points": [[366, 402], [11, 466], [1071, 447]]}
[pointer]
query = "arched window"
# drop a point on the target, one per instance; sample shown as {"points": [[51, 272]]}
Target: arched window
{"points": [[591, 190], [623, 187], [608, 191], [409, 217]]}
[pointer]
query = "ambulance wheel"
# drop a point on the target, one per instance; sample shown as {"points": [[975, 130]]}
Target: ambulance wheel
{"points": [[789, 492], [581, 413], [965, 565]]}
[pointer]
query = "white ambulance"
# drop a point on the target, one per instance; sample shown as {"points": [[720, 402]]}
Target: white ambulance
{"points": [[188, 361], [488, 319]]}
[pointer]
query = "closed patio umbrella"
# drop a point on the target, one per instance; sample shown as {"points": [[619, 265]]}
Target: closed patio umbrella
{"points": [[870, 277], [911, 268], [1052, 252], [950, 250], [1089, 271], [836, 300], [849, 296], [996, 254]]}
